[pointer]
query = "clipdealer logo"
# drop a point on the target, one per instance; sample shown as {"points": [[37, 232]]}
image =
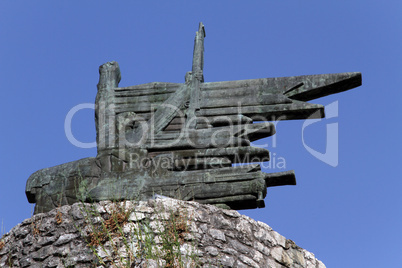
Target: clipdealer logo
{"points": [[330, 156], [68, 122]]}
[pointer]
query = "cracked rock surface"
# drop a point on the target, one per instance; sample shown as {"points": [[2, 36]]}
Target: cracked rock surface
{"points": [[215, 238]]}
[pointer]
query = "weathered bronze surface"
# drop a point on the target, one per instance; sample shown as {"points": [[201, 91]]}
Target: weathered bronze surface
{"points": [[181, 140]]}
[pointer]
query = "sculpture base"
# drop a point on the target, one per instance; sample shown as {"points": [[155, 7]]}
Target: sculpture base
{"points": [[150, 233], [106, 178]]}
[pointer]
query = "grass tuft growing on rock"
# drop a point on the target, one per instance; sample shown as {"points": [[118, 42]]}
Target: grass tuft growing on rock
{"points": [[123, 234]]}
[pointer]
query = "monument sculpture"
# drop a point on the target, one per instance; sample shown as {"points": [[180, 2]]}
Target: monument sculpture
{"points": [[183, 140]]}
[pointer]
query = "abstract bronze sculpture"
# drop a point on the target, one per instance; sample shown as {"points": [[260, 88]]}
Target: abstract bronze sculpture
{"points": [[181, 140]]}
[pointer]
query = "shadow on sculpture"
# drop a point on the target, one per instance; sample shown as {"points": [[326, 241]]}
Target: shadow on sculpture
{"points": [[183, 140]]}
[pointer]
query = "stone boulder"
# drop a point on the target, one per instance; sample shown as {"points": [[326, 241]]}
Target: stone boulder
{"points": [[154, 233]]}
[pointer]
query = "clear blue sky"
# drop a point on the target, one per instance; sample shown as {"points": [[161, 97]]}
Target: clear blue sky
{"points": [[348, 215]]}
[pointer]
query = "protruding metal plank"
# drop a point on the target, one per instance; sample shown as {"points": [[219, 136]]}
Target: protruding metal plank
{"points": [[317, 86], [280, 178]]}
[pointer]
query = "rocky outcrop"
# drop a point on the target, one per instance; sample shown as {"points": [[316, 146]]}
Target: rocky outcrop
{"points": [[154, 233]]}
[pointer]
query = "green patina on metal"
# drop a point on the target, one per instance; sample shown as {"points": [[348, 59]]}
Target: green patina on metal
{"points": [[182, 140]]}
